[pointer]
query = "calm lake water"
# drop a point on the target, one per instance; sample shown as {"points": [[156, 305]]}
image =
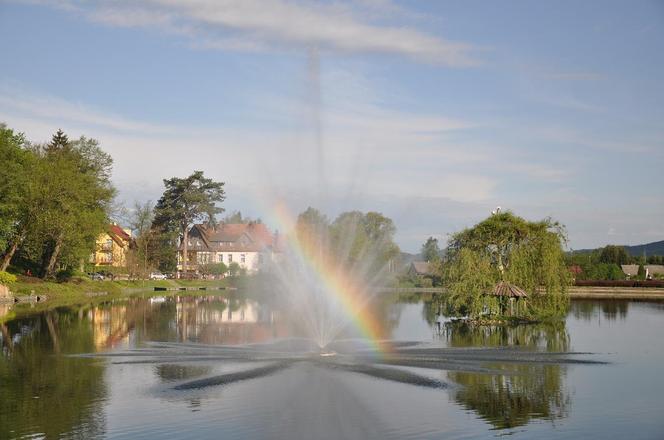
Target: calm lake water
{"points": [[146, 364]]}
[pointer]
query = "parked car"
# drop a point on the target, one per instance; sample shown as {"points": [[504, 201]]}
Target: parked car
{"points": [[96, 276], [157, 276]]}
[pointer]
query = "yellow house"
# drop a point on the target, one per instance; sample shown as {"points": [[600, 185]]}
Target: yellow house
{"points": [[112, 246]]}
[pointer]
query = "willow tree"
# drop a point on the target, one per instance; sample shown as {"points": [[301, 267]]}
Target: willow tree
{"points": [[505, 247], [186, 201]]}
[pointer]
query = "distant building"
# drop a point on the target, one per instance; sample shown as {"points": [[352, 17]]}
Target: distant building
{"points": [[652, 270], [421, 268], [111, 247], [252, 246]]}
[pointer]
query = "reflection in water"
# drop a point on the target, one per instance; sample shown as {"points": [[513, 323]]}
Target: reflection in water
{"points": [[5, 308], [46, 394], [506, 375], [590, 309], [522, 391]]}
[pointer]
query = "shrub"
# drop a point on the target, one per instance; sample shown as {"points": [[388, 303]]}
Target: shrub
{"points": [[7, 278]]}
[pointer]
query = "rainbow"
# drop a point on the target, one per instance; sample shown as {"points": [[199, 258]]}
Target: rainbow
{"points": [[349, 292]]}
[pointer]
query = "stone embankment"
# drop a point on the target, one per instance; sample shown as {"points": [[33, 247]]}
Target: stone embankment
{"points": [[633, 293]]}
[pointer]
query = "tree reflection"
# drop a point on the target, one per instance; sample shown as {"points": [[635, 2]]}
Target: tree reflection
{"points": [[45, 393], [524, 391], [591, 309]]}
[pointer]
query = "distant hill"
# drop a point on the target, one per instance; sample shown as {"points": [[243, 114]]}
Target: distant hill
{"points": [[654, 248]]}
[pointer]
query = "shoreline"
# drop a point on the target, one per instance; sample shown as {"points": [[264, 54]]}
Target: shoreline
{"points": [[630, 293], [91, 292]]}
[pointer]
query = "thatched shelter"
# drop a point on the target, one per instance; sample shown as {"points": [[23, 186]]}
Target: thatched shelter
{"points": [[509, 295]]}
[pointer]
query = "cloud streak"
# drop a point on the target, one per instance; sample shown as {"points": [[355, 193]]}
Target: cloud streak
{"points": [[246, 25]]}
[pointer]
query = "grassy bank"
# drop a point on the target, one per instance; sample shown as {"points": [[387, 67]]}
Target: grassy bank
{"points": [[82, 291]]}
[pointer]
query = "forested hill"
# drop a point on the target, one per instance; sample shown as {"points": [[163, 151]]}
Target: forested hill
{"points": [[654, 248]]}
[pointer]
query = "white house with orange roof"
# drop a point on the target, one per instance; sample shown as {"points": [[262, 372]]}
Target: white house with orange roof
{"points": [[251, 245]]}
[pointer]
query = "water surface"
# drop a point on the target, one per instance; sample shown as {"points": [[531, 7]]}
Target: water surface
{"points": [[209, 367]]}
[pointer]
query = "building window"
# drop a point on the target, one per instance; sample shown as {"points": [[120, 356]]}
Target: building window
{"points": [[242, 258], [230, 258]]}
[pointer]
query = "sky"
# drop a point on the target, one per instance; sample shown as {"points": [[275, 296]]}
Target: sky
{"points": [[433, 113]]}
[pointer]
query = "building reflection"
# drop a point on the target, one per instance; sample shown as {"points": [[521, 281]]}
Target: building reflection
{"points": [[221, 320]]}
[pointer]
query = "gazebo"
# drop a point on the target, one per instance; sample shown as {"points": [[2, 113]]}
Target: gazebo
{"points": [[509, 293]]}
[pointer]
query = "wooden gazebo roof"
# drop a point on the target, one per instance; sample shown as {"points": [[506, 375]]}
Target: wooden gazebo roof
{"points": [[509, 290]]}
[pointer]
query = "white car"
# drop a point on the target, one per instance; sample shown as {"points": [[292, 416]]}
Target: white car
{"points": [[157, 276]]}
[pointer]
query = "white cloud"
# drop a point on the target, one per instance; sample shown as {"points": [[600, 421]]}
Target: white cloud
{"points": [[257, 24], [50, 108]]}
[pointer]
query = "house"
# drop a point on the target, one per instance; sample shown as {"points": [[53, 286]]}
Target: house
{"points": [[652, 270], [111, 247], [420, 268], [252, 246]]}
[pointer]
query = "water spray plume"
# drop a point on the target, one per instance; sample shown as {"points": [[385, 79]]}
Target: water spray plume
{"points": [[328, 282]]}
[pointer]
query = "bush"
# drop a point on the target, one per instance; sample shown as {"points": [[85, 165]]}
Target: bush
{"points": [[7, 278], [64, 275]]}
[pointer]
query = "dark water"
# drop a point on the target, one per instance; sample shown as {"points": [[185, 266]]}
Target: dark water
{"points": [[208, 367]]}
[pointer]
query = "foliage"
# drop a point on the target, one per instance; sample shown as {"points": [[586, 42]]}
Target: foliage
{"points": [[214, 269], [58, 200], [234, 269], [430, 250], [7, 278], [364, 238], [641, 275], [353, 238], [236, 217], [16, 163], [614, 255], [508, 248]]}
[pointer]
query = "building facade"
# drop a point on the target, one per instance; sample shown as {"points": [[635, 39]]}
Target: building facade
{"points": [[252, 246], [111, 247]]}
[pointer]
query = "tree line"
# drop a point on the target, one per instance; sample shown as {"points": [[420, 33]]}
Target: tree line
{"points": [[605, 263], [55, 198]]}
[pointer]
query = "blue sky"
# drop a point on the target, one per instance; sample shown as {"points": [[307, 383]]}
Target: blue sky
{"points": [[432, 112]]}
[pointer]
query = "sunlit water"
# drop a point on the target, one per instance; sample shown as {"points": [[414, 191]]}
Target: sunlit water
{"points": [[214, 367]]}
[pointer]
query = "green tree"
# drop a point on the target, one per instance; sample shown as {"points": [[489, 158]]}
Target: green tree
{"points": [[364, 238], [185, 202], [237, 217], [614, 255], [234, 269], [141, 226], [641, 275], [216, 269], [16, 189], [508, 248], [430, 250], [67, 205]]}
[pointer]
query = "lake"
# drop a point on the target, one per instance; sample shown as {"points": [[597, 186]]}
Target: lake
{"points": [[230, 367]]}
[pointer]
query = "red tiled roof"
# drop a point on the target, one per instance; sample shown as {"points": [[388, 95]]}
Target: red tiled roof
{"points": [[118, 234], [236, 237]]}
